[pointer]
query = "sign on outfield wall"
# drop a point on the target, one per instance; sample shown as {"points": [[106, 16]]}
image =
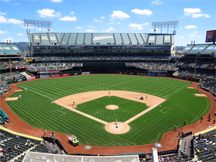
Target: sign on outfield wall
{"points": [[65, 75], [55, 75], [44, 76], [45, 72], [85, 73], [31, 78]]}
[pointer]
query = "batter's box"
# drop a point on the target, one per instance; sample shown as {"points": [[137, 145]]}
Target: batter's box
{"points": [[58, 112], [165, 110]]}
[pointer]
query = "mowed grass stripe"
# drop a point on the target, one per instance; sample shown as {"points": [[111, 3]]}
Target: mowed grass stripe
{"points": [[35, 107]]}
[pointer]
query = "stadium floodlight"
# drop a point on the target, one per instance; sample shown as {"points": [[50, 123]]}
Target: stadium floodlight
{"points": [[165, 24], [37, 23]]}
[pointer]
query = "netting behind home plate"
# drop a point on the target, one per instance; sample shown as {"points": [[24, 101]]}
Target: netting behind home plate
{"points": [[44, 157]]}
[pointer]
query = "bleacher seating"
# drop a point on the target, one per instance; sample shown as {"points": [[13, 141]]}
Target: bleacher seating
{"points": [[13, 147], [205, 146], [153, 65]]}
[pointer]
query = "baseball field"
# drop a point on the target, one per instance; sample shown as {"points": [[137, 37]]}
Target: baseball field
{"points": [[79, 106]]}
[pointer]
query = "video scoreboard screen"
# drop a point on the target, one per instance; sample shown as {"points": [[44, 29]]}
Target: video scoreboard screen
{"points": [[211, 36]]}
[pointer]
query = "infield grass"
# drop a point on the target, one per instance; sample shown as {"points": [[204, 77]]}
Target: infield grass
{"points": [[97, 108], [35, 108]]}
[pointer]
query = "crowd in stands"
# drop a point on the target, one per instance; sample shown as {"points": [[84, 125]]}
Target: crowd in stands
{"points": [[153, 65], [201, 63], [14, 64], [205, 146], [52, 66], [13, 147], [103, 57]]}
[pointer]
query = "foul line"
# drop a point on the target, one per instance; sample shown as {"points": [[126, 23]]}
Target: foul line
{"points": [[81, 113], [143, 112]]}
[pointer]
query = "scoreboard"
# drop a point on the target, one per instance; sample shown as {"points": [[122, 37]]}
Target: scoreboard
{"points": [[211, 36]]}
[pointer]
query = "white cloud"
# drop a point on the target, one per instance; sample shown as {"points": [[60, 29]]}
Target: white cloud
{"points": [[189, 11], [78, 27], [157, 2], [110, 28], [119, 15], [6, 0], [192, 35], [96, 20], [48, 13], [102, 17], [181, 37], [3, 19], [2, 13], [198, 36], [72, 12], [195, 13], [20, 34], [180, 27], [57, 1], [190, 26], [14, 21], [8, 38], [138, 26], [114, 23], [91, 30], [4, 32], [195, 31], [10, 20], [142, 12], [91, 26], [68, 18], [200, 15]]}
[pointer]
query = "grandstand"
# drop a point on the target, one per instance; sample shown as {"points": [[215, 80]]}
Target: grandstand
{"points": [[101, 52]]}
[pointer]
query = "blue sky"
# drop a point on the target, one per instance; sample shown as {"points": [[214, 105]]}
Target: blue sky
{"points": [[118, 16]]}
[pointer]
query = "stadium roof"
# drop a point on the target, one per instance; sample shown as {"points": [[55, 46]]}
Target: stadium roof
{"points": [[100, 38], [9, 49], [194, 49]]}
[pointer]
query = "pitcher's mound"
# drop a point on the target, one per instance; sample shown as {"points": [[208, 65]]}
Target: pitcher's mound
{"points": [[112, 107], [120, 129]]}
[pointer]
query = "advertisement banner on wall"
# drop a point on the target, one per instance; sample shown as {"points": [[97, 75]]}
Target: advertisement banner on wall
{"points": [[162, 75], [55, 75], [31, 78], [54, 71], [44, 76], [42, 72], [151, 74], [65, 75], [21, 67], [85, 73], [143, 74]]}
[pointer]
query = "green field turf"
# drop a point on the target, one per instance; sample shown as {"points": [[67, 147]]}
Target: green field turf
{"points": [[97, 108], [35, 108]]}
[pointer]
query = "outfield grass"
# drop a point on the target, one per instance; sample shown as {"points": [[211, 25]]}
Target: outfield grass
{"points": [[97, 108], [35, 108]]}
